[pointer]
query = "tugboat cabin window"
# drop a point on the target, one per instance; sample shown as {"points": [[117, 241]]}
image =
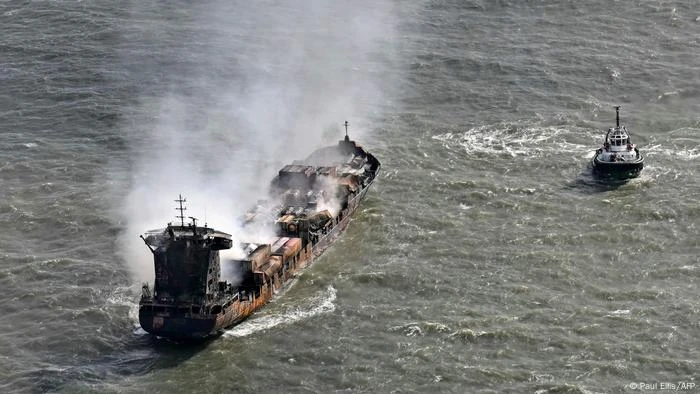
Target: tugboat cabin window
{"points": [[619, 141]]}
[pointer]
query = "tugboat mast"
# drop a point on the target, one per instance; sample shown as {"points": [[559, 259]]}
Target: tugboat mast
{"points": [[346, 131], [181, 209], [617, 116]]}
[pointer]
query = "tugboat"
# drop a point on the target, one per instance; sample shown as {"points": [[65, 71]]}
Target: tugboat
{"points": [[310, 204], [618, 158]]}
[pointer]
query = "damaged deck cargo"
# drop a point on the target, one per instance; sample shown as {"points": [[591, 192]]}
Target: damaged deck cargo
{"points": [[310, 204]]}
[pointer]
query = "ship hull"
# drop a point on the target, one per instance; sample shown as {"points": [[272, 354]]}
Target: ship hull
{"points": [[617, 169], [189, 327], [159, 321], [175, 327]]}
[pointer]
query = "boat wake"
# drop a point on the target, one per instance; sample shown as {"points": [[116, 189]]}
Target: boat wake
{"points": [[322, 303], [676, 152], [122, 297], [516, 140], [680, 144]]}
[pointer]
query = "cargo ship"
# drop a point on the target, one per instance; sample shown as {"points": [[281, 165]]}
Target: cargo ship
{"points": [[310, 203], [618, 158]]}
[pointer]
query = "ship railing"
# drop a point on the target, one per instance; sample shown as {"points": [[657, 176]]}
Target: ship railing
{"points": [[233, 299]]}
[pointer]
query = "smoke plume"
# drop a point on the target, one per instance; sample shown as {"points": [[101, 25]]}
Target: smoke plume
{"points": [[245, 87]]}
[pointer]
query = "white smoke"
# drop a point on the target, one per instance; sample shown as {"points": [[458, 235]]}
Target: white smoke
{"points": [[329, 199], [273, 78]]}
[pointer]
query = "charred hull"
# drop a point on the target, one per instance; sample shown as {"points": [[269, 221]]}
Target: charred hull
{"points": [[175, 327], [181, 324], [310, 205]]}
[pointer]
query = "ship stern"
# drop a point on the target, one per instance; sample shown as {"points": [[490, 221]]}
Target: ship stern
{"points": [[164, 323]]}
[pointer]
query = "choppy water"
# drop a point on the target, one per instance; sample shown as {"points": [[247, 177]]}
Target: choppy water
{"points": [[486, 258]]}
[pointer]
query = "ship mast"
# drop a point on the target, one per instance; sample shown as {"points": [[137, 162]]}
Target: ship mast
{"points": [[617, 116], [346, 131], [181, 209]]}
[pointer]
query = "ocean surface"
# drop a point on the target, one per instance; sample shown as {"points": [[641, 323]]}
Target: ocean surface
{"points": [[485, 259]]}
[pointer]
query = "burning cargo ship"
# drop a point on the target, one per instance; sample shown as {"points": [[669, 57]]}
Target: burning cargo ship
{"points": [[310, 204]]}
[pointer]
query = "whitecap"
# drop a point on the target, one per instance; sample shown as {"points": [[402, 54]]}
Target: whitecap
{"points": [[618, 312]]}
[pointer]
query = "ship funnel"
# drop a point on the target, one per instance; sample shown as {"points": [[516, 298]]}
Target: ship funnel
{"points": [[617, 116]]}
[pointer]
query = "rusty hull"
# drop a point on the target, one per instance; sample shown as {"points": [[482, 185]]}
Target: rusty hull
{"points": [[190, 301]]}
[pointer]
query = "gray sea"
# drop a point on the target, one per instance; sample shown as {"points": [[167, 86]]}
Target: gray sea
{"points": [[486, 258]]}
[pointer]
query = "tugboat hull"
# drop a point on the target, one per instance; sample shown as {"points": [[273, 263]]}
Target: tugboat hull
{"points": [[617, 169]]}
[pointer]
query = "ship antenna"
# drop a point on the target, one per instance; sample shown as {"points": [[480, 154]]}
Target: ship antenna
{"points": [[617, 116], [181, 209], [194, 224], [346, 131]]}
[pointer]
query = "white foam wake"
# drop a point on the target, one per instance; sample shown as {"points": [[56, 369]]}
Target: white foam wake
{"points": [[323, 303], [124, 296], [514, 140]]}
